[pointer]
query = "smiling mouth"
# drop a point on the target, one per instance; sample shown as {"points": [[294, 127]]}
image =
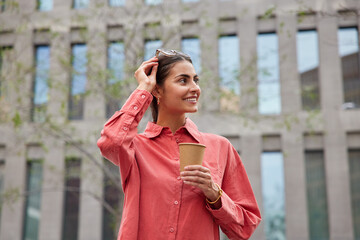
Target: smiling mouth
{"points": [[193, 100]]}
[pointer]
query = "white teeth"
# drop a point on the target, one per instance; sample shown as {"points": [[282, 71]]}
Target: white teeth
{"points": [[191, 99]]}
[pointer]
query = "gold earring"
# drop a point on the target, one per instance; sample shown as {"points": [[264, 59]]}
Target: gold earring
{"points": [[158, 101]]}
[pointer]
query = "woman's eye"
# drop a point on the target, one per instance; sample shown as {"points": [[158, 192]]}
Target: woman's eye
{"points": [[183, 80], [197, 81]]}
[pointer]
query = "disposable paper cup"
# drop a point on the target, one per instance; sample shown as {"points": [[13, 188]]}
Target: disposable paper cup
{"points": [[191, 154]]}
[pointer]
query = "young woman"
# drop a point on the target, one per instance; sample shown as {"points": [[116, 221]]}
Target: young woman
{"points": [[160, 201]]}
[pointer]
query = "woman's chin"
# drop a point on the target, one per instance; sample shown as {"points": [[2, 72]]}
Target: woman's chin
{"points": [[194, 110]]}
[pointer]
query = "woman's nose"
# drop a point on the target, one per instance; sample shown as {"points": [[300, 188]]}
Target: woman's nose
{"points": [[194, 86]]}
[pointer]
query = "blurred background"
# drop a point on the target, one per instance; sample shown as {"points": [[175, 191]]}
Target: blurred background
{"points": [[280, 79]]}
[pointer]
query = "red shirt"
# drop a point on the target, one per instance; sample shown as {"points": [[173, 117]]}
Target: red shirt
{"points": [[158, 205]]}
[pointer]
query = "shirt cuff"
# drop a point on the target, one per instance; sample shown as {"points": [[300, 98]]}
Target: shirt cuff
{"points": [[223, 214], [138, 101]]}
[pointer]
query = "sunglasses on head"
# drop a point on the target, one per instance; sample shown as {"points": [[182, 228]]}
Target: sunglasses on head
{"points": [[169, 53]]}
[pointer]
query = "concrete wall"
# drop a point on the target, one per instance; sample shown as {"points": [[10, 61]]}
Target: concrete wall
{"points": [[338, 129]]}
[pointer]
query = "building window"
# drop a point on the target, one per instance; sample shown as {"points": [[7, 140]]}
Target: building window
{"points": [[116, 59], [116, 3], [78, 4], [113, 197], [316, 195], [308, 67], [349, 53], [269, 97], [150, 48], [72, 199], [44, 5], [33, 200], [3, 5], [354, 163], [78, 81], [41, 83], [153, 2], [191, 46], [229, 65], [273, 191]]}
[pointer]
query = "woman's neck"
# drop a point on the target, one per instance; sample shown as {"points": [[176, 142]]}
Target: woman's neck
{"points": [[174, 122]]}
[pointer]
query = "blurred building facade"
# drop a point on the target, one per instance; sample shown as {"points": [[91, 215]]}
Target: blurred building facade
{"points": [[280, 80]]}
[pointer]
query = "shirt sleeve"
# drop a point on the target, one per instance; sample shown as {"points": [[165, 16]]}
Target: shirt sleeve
{"points": [[116, 141], [239, 214]]}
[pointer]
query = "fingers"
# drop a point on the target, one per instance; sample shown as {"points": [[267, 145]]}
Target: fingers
{"points": [[197, 167], [146, 64], [197, 180], [196, 170], [145, 67], [195, 175], [154, 70], [151, 60], [200, 177], [146, 74]]}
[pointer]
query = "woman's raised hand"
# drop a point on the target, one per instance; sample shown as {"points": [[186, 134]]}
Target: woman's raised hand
{"points": [[146, 74]]}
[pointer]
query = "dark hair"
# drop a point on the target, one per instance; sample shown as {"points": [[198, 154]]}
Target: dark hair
{"points": [[166, 63]]}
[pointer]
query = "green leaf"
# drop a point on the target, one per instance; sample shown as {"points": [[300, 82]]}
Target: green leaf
{"points": [[269, 13], [17, 120]]}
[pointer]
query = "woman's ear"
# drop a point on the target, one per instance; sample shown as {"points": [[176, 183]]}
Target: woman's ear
{"points": [[157, 91]]}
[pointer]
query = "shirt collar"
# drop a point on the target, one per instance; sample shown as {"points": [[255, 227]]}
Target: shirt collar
{"points": [[153, 130]]}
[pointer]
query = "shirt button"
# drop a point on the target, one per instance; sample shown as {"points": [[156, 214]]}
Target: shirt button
{"points": [[177, 140], [172, 230], [125, 128], [176, 202], [135, 108], [143, 96], [178, 178]]}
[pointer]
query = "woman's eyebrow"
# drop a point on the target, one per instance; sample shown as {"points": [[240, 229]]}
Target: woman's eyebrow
{"points": [[186, 75]]}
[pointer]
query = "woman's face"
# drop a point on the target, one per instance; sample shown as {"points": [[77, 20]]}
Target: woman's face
{"points": [[180, 92]]}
